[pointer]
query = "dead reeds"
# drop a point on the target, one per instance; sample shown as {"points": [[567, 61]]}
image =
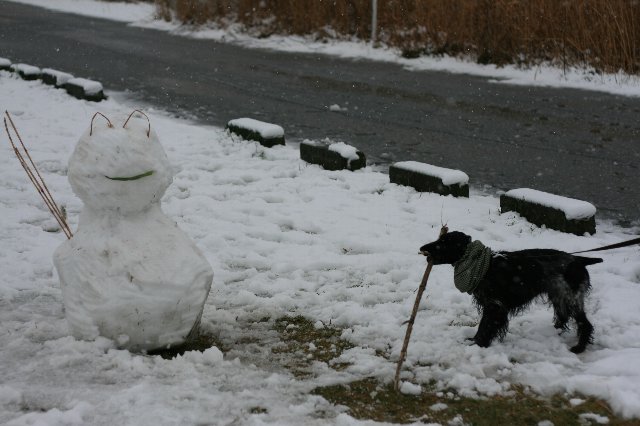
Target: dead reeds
{"points": [[31, 169], [603, 34]]}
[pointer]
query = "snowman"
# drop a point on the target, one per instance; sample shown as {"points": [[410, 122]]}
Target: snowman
{"points": [[129, 273]]}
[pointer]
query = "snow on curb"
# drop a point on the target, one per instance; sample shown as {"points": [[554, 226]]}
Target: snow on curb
{"points": [[83, 88], [27, 72], [332, 156], [428, 178], [553, 211], [80, 88], [54, 77], [5, 64], [266, 134]]}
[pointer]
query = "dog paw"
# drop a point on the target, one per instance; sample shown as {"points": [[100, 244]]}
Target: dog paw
{"points": [[578, 349], [561, 326], [482, 343], [473, 341]]}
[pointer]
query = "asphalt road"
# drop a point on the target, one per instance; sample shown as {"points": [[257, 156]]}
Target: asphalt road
{"points": [[575, 143]]}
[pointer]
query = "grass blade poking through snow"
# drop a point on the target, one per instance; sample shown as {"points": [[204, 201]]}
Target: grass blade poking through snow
{"points": [[407, 336]]}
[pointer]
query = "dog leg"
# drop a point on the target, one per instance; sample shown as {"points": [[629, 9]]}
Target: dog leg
{"points": [[494, 323], [585, 332], [560, 323], [561, 312]]}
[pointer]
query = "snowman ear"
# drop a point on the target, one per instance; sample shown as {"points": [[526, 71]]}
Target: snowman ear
{"points": [[124, 126], [94, 117]]}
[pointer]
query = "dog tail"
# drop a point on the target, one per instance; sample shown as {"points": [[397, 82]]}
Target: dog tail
{"points": [[586, 261]]}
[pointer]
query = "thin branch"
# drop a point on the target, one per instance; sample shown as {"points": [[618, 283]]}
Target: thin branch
{"points": [[34, 176], [412, 319], [145, 115], [94, 117]]}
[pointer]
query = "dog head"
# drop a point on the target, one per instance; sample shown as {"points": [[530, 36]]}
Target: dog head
{"points": [[447, 249]]}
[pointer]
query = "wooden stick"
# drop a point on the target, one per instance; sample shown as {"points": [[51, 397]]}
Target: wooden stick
{"points": [[407, 336], [41, 182], [140, 112], [35, 177], [94, 117], [416, 304]]}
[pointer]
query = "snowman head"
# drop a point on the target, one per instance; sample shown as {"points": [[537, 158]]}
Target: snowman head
{"points": [[119, 165]]}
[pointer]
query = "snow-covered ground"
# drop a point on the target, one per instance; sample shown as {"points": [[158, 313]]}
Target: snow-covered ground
{"points": [[143, 14], [284, 238]]}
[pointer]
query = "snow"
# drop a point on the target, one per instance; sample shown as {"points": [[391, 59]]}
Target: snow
{"points": [[266, 130], [61, 77], [447, 176], [26, 69], [439, 406], [409, 388], [4, 62], [337, 108], [284, 238], [128, 273], [598, 419], [572, 208], [115, 11], [76, 415], [576, 401], [90, 87], [346, 151]]}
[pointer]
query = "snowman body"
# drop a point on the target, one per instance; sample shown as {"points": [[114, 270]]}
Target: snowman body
{"points": [[129, 273]]}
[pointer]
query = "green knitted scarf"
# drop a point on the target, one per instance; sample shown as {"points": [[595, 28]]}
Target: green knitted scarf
{"points": [[472, 267]]}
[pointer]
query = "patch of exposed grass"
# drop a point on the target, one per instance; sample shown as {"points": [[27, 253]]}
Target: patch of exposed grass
{"points": [[371, 400], [201, 343], [258, 410], [307, 344]]}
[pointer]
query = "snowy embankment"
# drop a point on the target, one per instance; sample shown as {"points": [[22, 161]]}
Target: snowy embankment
{"points": [[284, 238], [143, 15]]}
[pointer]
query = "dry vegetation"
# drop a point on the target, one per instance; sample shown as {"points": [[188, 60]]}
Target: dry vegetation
{"points": [[302, 345], [604, 34]]}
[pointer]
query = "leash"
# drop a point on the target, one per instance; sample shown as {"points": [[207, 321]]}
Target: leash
{"points": [[612, 246]]}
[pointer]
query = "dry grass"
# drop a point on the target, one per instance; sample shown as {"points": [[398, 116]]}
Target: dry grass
{"points": [[369, 399], [604, 34], [302, 345]]}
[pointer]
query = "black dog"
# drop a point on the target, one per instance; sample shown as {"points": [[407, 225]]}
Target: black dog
{"points": [[505, 283]]}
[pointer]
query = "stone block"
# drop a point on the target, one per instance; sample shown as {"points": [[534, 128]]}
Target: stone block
{"points": [[266, 134], [427, 178], [5, 64], [553, 211], [27, 72], [82, 88], [336, 156], [54, 77]]}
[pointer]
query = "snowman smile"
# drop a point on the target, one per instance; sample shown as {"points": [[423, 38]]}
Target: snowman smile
{"points": [[136, 177]]}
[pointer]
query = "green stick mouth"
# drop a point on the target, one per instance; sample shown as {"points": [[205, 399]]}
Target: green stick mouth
{"points": [[136, 177]]}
